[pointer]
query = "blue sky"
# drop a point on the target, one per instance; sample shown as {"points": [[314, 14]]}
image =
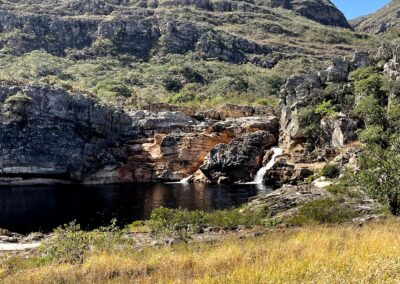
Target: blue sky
{"points": [[355, 8]]}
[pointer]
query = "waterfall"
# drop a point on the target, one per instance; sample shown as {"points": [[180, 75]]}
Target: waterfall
{"points": [[185, 180], [261, 172]]}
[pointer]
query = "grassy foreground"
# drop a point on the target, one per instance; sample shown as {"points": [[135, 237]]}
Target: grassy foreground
{"points": [[339, 254]]}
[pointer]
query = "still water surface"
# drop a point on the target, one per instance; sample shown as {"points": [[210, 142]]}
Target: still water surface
{"points": [[42, 208]]}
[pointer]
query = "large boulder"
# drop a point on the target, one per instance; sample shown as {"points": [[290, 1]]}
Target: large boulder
{"points": [[284, 172], [285, 202], [360, 59], [239, 160], [339, 70], [299, 87], [384, 53], [339, 131]]}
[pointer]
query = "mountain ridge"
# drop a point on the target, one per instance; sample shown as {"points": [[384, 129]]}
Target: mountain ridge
{"points": [[381, 21]]}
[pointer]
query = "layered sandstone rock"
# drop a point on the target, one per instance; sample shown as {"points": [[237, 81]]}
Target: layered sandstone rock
{"points": [[176, 155], [50, 135]]}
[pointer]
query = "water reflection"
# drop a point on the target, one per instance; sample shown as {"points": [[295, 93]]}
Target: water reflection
{"points": [[26, 209]]}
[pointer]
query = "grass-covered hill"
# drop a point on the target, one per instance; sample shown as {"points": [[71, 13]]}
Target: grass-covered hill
{"points": [[385, 20], [181, 51]]}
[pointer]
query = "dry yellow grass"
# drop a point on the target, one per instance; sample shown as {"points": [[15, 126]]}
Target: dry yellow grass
{"points": [[343, 254]]}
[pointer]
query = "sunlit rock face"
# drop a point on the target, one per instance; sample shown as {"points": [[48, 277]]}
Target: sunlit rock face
{"points": [[52, 135]]}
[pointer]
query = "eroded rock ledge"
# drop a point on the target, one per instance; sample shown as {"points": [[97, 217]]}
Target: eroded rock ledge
{"points": [[49, 135]]}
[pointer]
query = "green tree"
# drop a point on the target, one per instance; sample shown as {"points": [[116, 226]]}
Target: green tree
{"points": [[309, 122], [374, 134], [370, 111], [380, 173]]}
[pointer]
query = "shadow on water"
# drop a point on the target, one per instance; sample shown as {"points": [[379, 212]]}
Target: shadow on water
{"points": [[42, 208]]}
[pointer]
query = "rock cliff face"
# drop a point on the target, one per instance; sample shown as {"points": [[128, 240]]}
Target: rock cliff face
{"points": [[56, 136], [145, 28], [48, 133], [302, 90], [381, 21], [323, 12]]}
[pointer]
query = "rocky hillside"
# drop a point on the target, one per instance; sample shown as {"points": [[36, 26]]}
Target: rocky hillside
{"points": [[71, 63], [145, 29], [380, 22], [199, 52], [52, 134]]}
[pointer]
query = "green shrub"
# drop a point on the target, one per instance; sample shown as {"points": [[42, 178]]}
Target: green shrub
{"points": [[367, 81], [393, 115], [178, 222], [110, 88], [323, 211], [333, 89], [330, 171], [337, 189], [182, 222], [36, 65], [309, 122], [233, 218], [70, 244], [373, 134], [325, 108], [182, 97], [311, 178], [370, 110], [172, 84], [17, 104], [270, 101], [104, 47]]}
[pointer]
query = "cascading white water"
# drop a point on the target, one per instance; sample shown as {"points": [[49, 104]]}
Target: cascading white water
{"points": [[185, 180], [261, 172]]}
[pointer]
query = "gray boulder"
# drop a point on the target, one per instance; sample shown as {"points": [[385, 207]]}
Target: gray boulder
{"points": [[384, 53], [339, 71], [238, 160], [360, 59]]}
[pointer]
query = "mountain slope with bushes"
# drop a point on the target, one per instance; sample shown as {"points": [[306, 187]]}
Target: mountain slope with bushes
{"points": [[382, 21], [200, 52]]}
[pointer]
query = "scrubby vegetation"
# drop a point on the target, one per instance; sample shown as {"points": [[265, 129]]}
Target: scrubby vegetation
{"points": [[17, 104], [323, 211], [244, 56], [349, 254], [378, 107], [176, 79], [182, 222], [70, 243]]}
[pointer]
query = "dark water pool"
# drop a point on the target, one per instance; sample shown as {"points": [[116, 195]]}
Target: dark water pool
{"points": [[42, 208]]}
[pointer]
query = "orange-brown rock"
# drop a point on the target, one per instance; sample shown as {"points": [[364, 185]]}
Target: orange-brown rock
{"points": [[171, 146]]}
